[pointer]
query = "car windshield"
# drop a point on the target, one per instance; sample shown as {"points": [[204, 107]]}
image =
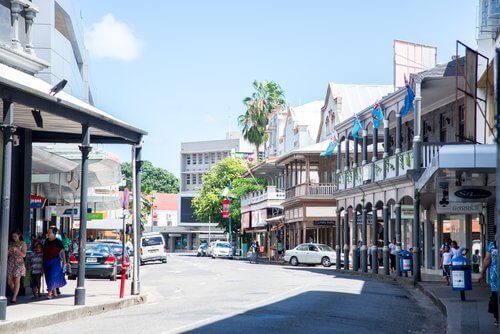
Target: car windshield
{"points": [[222, 245], [98, 248], [325, 248], [152, 241]]}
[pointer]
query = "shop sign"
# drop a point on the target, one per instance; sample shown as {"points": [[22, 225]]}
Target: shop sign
{"points": [[324, 222], [407, 211], [474, 194], [95, 216], [459, 207], [37, 202]]}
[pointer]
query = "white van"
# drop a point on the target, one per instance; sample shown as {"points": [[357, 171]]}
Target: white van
{"points": [[153, 248]]}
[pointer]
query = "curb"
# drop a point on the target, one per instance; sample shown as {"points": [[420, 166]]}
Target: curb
{"points": [[77, 313]]}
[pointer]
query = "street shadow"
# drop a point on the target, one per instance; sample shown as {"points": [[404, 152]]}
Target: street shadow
{"points": [[327, 312]]}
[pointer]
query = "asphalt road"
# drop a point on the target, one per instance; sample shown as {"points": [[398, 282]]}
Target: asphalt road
{"points": [[202, 295]]}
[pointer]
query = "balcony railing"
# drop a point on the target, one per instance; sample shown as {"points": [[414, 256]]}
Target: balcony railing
{"points": [[268, 193], [315, 190]]}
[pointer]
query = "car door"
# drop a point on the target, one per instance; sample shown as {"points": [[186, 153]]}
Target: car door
{"points": [[302, 253], [313, 254]]}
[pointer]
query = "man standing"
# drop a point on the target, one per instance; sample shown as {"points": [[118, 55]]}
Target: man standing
{"points": [[66, 243]]}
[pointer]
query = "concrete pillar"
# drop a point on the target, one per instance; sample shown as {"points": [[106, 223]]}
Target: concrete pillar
{"points": [[189, 241], [355, 156], [439, 239], [136, 175], [385, 214], [416, 239], [346, 154], [346, 239], [374, 240], [364, 253], [428, 229], [8, 130], [398, 236], [85, 148], [355, 260], [30, 16], [172, 244], [364, 149], [337, 241]]}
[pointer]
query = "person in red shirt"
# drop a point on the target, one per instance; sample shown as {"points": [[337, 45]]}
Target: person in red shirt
{"points": [[53, 253]]}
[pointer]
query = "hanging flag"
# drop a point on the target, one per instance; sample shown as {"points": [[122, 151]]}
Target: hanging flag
{"points": [[377, 115], [409, 97], [331, 147], [356, 128]]}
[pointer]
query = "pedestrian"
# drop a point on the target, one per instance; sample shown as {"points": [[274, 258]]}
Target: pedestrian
{"points": [[370, 256], [66, 243], [445, 263], [358, 252], [490, 261], [273, 252], [53, 252], [35, 264], [15, 263], [392, 248], [280, 249], [446, 242], [74, 246], [476, 260], [455, 250], [255, 248]]}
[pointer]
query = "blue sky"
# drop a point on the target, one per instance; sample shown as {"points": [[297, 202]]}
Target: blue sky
{"points": [[179, 69]]}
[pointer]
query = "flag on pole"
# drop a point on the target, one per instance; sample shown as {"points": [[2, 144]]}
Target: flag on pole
{"points": [[331, 147], [409, 97], [357, 127], [377, 115]]}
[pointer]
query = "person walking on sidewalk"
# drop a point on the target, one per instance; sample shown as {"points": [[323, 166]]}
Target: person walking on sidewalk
{"points": [[445, 263], [455, 250], [35, 264], [476, 261], [255, 249], [53, 252], [66, 243], [490, 260], [392, 248], [15, 264]]}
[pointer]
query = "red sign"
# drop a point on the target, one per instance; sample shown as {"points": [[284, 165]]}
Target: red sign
{"points": [[225, 208], [37, 201]]}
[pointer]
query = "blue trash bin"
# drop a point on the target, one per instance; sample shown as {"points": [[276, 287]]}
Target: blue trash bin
{"points": [[461, 274], [405, 261]]}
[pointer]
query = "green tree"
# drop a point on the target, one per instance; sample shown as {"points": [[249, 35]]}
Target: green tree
{"points": [[209, 204], [267, 97], [153, 179]]}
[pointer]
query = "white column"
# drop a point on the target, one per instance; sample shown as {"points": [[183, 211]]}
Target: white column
{"points": [[30, 16], [16, 7]]}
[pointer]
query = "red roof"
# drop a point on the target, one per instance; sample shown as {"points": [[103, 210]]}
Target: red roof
{"points": [[166, 202]]}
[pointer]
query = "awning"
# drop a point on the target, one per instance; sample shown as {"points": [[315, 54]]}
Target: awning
{"points": [[104, 224], [62, 115]]}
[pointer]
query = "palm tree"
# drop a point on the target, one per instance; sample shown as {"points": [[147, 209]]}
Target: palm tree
{"points": [[268, 96]]}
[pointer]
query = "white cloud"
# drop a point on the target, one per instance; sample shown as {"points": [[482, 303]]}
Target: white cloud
{"points": [[112, 39]]}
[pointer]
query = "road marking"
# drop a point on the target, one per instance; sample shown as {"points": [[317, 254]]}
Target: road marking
{"points": [[257, 304]]}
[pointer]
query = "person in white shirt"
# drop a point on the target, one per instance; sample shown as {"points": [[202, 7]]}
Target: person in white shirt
{"points": [[392, 247], [446, 262], [455, 250]]}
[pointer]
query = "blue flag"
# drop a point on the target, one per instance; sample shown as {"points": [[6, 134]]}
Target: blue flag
{"points": [[356, 128], [377, 115], [331, 147], [409, 97]]}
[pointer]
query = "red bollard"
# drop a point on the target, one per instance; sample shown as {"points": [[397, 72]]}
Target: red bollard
{"points": [[124, 276]]}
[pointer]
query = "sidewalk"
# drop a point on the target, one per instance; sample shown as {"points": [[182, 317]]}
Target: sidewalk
{"points": [[101, 296]]}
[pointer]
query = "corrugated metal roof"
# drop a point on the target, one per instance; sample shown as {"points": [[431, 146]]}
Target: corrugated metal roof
{"points": [[355, 98], [308, 114]]}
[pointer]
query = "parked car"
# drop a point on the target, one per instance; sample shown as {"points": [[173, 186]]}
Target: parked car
{"points": [[202, 250], [100, 261], [153, 248], [311, 253], [222, 249], [116, 246]]}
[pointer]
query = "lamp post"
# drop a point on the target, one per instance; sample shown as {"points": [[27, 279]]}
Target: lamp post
{"points": [[226, 208]]}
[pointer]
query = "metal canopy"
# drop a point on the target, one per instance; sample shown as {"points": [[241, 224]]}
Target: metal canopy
{"points": [[62, 115]]}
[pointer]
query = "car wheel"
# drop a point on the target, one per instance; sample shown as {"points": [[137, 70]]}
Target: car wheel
{"points": [[198, 254], [325, 261], [164, 261], [294, 261], [142, 263]]}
